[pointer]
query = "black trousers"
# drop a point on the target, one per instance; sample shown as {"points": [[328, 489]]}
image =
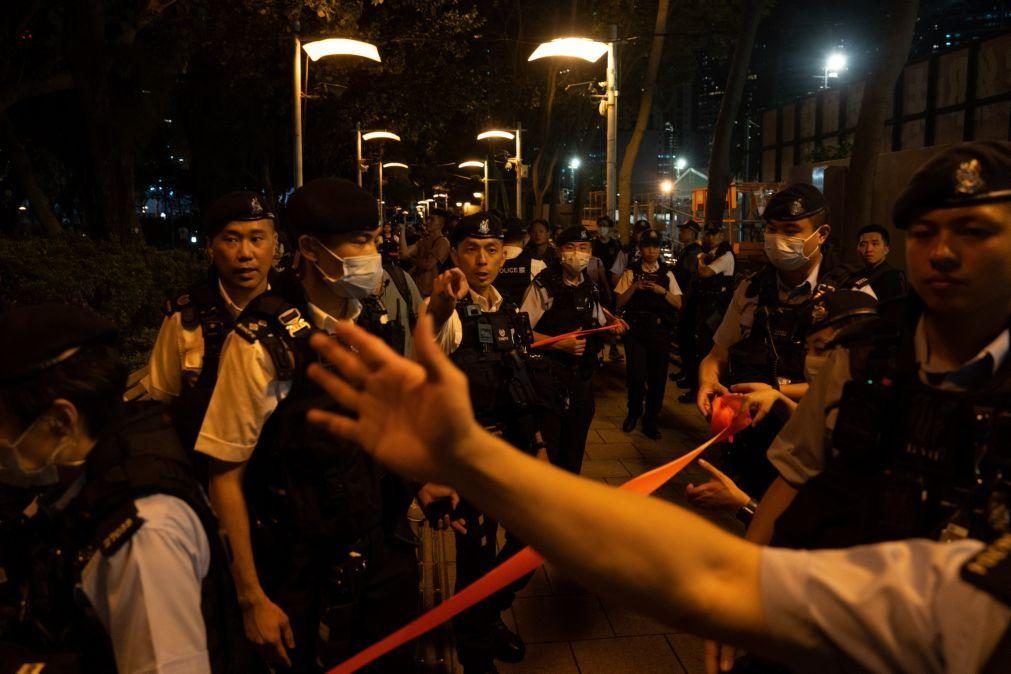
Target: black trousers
{"points": [[687, 345], [566, 426], [647, 358]]}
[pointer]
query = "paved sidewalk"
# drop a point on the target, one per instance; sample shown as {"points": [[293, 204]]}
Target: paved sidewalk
{"points": [[569, 630]]}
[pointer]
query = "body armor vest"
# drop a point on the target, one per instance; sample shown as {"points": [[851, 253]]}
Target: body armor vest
{"points": [[139, 455], [302, 484], [648, 312], [200, 307], [514, 278], [572, 308], [907, 459], [607, 252], [684, 264]]}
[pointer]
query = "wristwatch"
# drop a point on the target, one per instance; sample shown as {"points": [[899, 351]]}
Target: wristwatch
{"points": [[747, 512]]}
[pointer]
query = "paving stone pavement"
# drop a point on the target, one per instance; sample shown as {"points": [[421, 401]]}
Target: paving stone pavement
{"points": [[570, 630]]}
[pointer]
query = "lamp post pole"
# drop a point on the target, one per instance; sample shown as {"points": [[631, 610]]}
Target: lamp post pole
{"points": [[297, 107], [358, 153], [612, 125], [519, 173], [484, 200]]}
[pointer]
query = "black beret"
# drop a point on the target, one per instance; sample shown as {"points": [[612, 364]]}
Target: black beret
{"points": [[796, 202], [35, 338], [835, 307], [692, 225], [332, 206], [236, 206], [477, 226], [649, 238], [965, 175], [573, 234], [641, 226]]}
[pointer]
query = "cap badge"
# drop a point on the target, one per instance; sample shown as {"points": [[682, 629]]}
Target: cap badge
{"points": [[483, 228], [796, 208], [254, 206], [968, 177], [818, 313]]}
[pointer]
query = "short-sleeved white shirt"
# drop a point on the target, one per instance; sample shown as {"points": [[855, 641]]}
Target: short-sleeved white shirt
{"points": [[628, 276], [450, 334], [537, 301], [724, 264]]}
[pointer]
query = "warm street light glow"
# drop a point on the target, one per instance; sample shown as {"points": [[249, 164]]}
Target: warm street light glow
{"points": [[666, 186], [459, 203], [441, 196], [505, 135], [336, 46], [380, 135], [575, 163], [395, 164], [478, 195], [835, 62], [575, 47], [472, 164], [681, 164]]}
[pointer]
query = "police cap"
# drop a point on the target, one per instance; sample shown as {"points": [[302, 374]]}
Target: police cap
{"points": [[332, 206], [477, 226], [692, 225], [649, 238], [35, 338], [840, 306], [796, 202], [574, 234], [242, 206], [641, 226], [966, 175]]}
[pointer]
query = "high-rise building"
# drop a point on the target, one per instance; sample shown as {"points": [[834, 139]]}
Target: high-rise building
{"points": [[943, 24]]}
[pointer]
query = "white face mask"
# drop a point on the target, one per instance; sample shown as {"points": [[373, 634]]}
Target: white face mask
{"points": [[12, 471], [605, 233], [575, 261], [812, 366], [362, 274], [786, 253]]}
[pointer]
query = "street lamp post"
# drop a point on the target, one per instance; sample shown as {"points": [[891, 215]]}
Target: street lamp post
{"points": [[374, 135], [316, 50], [510, 135], [479, 164], [834, 64], [591, 51]]}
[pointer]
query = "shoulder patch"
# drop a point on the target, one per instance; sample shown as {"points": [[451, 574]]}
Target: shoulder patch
{"points": [[990, 569], [119, 528], [252, 329], [176, 304]]}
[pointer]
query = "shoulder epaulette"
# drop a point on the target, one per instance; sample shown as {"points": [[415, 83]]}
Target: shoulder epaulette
{"points": [[990, 569], [118, 528]]}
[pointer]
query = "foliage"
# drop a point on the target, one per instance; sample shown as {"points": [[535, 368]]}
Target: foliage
{"points": [[127, 284]]}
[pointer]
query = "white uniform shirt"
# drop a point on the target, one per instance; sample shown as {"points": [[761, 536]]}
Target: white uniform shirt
{"points": [[628, 276], [450, 335], [537, 302], [724, 264], [891, 607], [620, 262], [536, 266], [178, 354], [248, 392], [147, 594]]}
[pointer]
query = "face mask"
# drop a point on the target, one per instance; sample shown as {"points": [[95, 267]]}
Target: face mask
{"points": [[812, 366], [787, 252], [605, 232], [575, 262], [362, 274], [12, 472]]}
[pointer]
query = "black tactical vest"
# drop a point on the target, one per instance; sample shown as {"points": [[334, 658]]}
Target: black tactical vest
{"points": [[139, 455], [907, 460], [649, 312], [493, 354], [684, 265], [199, 307], [514, 278], [607, 252], [302, 484], [572, 308]]}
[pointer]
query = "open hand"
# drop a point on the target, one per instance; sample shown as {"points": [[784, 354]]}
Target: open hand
{"points": [[719, 493], [704, 399]]}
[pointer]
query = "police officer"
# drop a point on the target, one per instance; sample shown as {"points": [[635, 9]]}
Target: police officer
{"points": [[628, 254], [760, 340], [118, 565], [316, 527], [873, 246], [649, 296], [488, 338], [561, 300], [918, 446], [241, 239], [684, 273], [520, 267], [606, 249]]}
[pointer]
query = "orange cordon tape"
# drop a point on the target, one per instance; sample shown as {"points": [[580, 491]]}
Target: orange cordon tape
{"points": [[576, 333], [527, 560]]}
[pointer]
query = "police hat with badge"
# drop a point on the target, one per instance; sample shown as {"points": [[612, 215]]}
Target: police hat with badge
{"points": [[970, 174], [650, 238], [795, 202], [328, 206], [574, 234], [477, 226], [692, 225], [244, 206]]}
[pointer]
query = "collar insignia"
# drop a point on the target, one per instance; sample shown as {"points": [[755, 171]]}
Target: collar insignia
{"points": [[968, 178]]}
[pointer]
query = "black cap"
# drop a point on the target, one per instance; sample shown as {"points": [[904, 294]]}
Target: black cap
{"points": [[573, 234], [477, 226], [243, 206], [692, 225], [840, 305], [513, 228], [641, 226], [714, 229], [796, 202], [650, 238], [332, 206], [35, 338], [965, 175]]}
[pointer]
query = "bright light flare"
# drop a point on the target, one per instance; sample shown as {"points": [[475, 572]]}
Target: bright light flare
{"points": [[573, 47], [681, 163], [471, 164], [395, 164], [835, 62], [505, 135], [575, 163], [337, 46], [479, 195], [666, 186], [380, 135]]}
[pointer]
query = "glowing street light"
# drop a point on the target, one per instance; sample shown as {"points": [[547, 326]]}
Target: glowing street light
{"points": [[591, 51], [681, 164], [834, 64], [362, 167], [380, 135], [315, 50], [479, 195], [666, 186], [395, 164], [575, 163], [473, 163], [504, 135], [509, 135]]}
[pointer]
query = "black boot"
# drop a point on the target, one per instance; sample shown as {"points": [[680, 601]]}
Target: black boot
{"points": [[508, 645], [649, 429], [629, 424]]}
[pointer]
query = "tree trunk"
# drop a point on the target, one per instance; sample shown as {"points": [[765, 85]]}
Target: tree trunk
{"points": [[645, 108], [873, 113], [22, 164], [719, 157]]}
